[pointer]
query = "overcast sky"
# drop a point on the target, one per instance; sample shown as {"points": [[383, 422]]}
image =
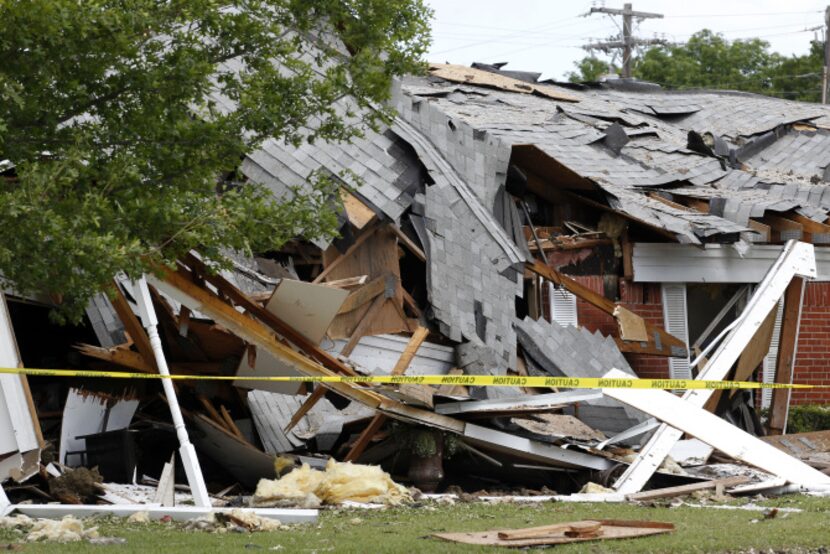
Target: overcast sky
{"points": [[548, 35]]}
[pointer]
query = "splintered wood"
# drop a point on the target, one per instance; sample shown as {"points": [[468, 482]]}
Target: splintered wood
{"points": [[377, 257], [561, 533]]}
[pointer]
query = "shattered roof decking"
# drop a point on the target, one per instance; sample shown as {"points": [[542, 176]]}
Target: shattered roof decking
{"points": [[475, 125]]}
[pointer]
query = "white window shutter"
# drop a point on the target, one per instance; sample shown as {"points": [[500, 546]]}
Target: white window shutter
{"points": [[772, 356], [676, 323], [562, 306]]}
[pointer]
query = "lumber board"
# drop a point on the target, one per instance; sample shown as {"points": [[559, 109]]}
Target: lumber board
{"points": [[364, 294], [682, 490], [669, 344], [687, 417], [365, 437], [133, 327], [363, 325], [182, 288], [377, 257], [267, 318], [411, 349], [757, 349], [339, 259], [785, 361], [408, 243]]}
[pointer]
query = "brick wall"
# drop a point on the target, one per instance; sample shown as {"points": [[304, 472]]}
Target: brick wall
{"points": [[812, 362], [645, 300]]}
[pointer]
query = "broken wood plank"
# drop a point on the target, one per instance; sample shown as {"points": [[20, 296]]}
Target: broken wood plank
{"points": [[226, 417], [266, 317], [762, 229], [378, 256], [669, 345], [785, 361], [119, 355], [757, 349], [348, 282], [716, 432], [211, 411], [408, 354], [316, 395], [133, 327], [682, 490], [181, 287], [367, 292], [408, 243], [571, 532], [367, 232], [363, 325], [365, 437]]}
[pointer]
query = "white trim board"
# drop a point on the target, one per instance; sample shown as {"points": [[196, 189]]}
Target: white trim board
{"points": [[713, 263], [716, 432], [155, 511]]}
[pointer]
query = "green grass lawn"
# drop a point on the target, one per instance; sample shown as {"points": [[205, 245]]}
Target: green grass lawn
{"points": [[409, 529]]}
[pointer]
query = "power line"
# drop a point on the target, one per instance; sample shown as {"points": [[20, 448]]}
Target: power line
{"points": [[626, 42], [692, 16], [548, 26]]}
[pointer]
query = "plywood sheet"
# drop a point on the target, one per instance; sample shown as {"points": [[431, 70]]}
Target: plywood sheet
{"points": [[463, 74], [555, 534], [306, 307], [359, 214], [377, 256]]}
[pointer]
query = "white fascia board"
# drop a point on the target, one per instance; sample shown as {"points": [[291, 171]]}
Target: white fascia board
{"points": [[527, 448], [155, 511], [519, 404], [712, 263], [17, 423], [716, 432], [797, 259]]}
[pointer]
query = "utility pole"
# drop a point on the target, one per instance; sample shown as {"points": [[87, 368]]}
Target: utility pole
{"points": [[627, 42], [826, 72]]}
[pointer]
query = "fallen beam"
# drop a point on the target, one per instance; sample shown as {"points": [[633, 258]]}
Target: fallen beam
{"points": [[661, 343], [796, 259], [518, 405], [682, 490], [687, 417], [178, 513]]}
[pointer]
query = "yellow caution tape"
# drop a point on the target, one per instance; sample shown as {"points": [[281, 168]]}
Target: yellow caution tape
{"points": [[465, 380]]}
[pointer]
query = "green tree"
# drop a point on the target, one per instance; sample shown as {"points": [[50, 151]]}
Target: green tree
{"points": [[125, 121], [590, 68], [708, 60]]}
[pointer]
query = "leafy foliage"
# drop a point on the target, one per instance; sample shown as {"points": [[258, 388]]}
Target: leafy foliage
{"points": [[589, 69], [125, 121], [708, 60]]}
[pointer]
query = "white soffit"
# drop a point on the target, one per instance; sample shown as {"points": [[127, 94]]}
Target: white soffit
{"points": [[713, 263]]}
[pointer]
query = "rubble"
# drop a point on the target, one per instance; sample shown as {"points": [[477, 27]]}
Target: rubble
{"points": [[435, 272]]}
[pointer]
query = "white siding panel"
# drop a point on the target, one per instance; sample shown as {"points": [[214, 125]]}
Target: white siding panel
{"points": [[563, 307], [676, 323], [771, 357]]}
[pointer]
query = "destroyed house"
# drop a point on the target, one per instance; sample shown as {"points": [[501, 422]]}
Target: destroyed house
{"points": [[670, 204], [498, 225]]}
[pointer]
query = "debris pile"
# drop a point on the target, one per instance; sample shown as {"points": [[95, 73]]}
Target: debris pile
{"points": [[471, 246]]}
